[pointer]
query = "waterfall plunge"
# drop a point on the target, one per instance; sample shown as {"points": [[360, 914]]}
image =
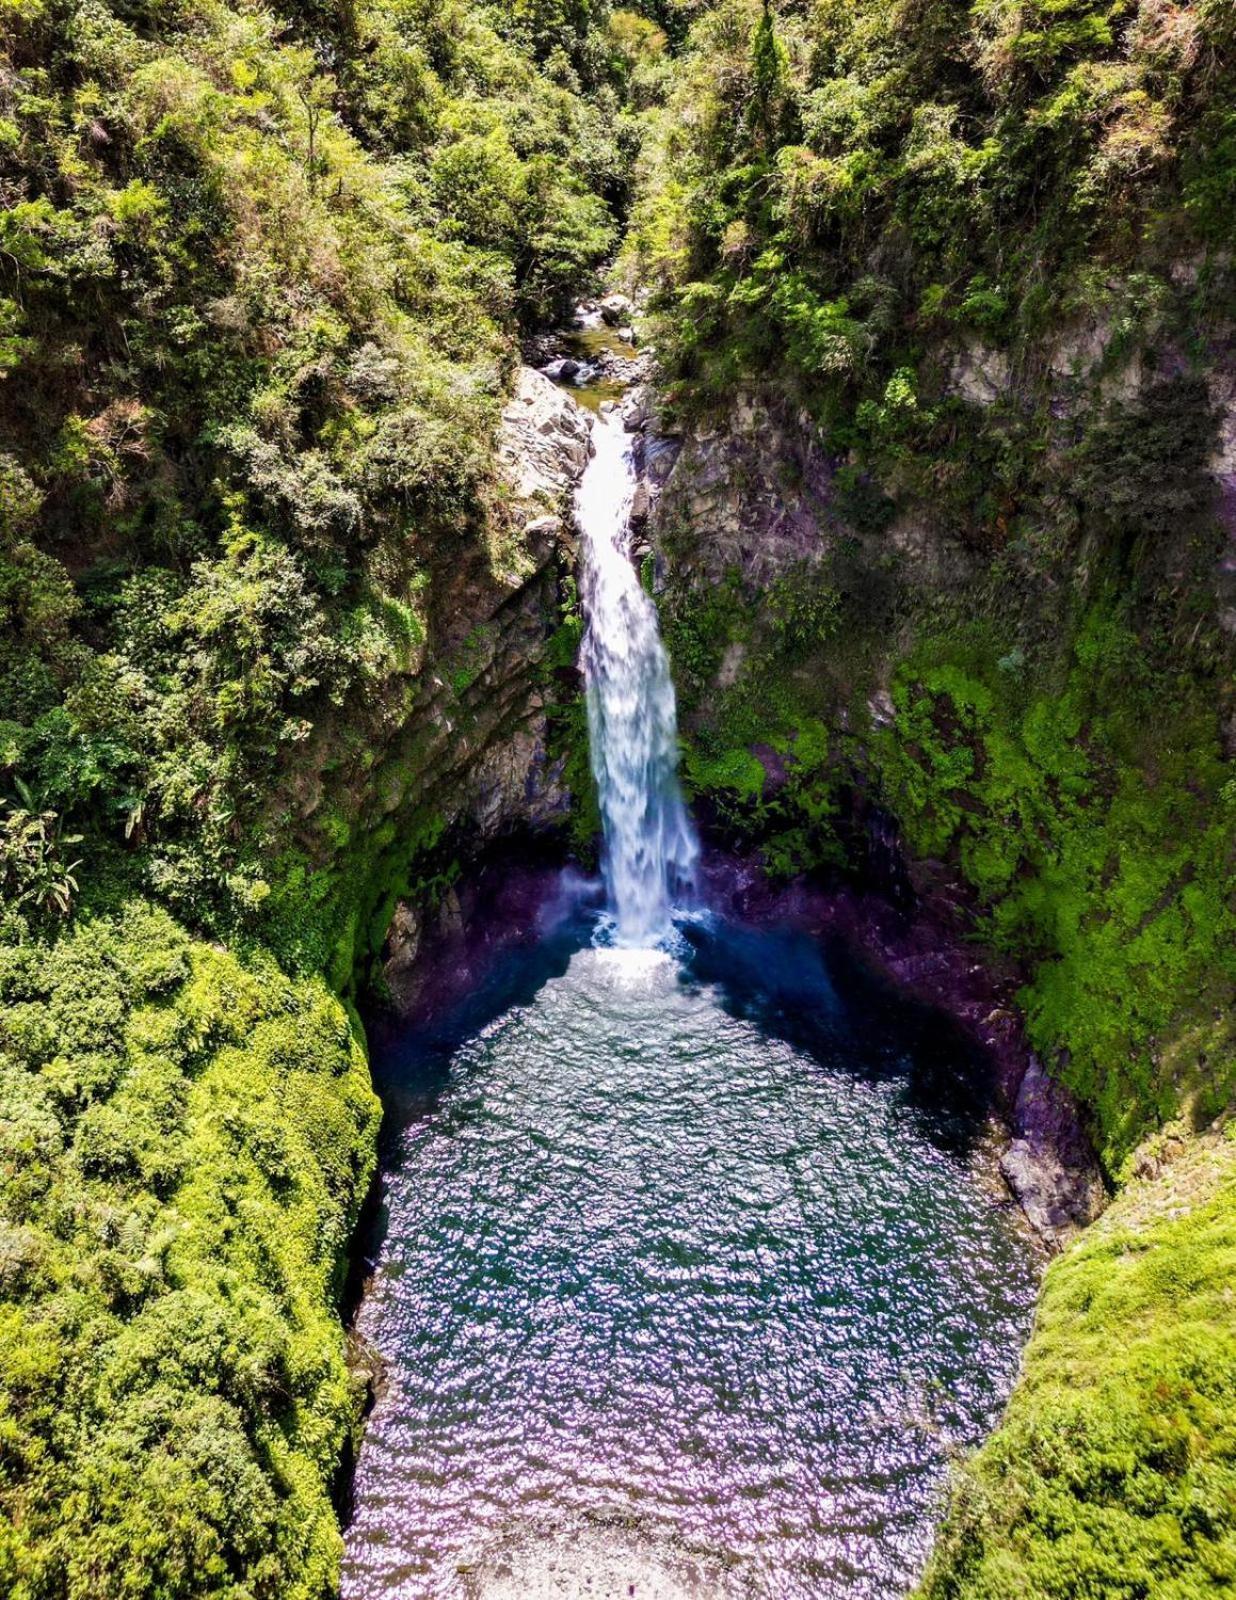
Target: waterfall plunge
{"points": [[650, 845]]}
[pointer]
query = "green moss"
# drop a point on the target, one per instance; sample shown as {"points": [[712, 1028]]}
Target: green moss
{"points": [[1114, 1470], [568, 743], [775, 697], [471, 660], [566, 715], [738, 771], [332, 915], [1084, 804], [699, 628]]}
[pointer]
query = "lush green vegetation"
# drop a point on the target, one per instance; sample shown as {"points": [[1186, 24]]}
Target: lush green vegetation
{"points": [[1114, 1473], [263, 275], [1103, 851], [835, 189], [186, 1139], [262, 278], [976, 252]]}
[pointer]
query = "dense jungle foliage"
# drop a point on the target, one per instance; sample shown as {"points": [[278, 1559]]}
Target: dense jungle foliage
{"points": [[835, 188], [263, 279], [187, 1140], [264, 273]]}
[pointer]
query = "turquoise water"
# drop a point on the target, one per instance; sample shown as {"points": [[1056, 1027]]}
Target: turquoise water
{"points": [[689, 1281]]}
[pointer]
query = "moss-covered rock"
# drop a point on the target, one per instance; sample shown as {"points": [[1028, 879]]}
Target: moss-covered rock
{"points": [[1114, 1471], [1052, 724]]}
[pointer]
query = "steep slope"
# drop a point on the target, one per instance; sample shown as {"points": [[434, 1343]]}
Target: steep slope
{"points": [[1115, 1468], [260, 328]]}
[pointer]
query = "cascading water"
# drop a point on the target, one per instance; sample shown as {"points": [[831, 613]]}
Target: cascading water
{"points": [[650, 845]]}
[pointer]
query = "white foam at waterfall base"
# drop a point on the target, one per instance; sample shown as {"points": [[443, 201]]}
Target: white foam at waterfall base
{"points": [[650, 845]]}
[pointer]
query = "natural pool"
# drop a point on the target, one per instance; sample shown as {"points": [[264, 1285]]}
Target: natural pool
{"points": [[690, 1280]]}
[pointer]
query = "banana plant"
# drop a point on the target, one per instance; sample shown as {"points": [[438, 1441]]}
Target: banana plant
{"points": [[31, 868]]}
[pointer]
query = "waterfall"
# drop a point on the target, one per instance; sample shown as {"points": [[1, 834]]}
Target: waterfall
{"points": [[650, 845]]}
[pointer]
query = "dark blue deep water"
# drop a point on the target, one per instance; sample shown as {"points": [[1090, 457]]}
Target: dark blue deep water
{"points": [[690, 1281]]}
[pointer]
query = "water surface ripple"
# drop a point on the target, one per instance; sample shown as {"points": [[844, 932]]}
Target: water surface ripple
{"points": [[659, 1265]]}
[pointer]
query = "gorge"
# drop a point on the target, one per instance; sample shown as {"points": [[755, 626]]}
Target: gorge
{"points": [[400, 1191], [680, 1287]]}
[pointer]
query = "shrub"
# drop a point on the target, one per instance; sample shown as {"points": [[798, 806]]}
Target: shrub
{"points": [[185, 1146]]}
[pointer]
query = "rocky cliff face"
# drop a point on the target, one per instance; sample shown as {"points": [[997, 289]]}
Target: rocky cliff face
{"points": [[841, 641], [478, 729], [471, 758], [751, 492], [755, 490]]}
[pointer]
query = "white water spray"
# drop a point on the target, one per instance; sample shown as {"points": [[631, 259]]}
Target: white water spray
{"points": [[650, 845]]}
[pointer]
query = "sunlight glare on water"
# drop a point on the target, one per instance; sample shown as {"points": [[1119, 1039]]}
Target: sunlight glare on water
{"points": [[675, 1292]]}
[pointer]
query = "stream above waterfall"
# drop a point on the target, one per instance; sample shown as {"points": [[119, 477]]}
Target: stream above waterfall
{"points": [[688, 1276]]}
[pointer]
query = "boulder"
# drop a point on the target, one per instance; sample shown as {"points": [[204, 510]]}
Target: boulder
{"points": [[1049, 1165], [636, 409], [544, 441], [616, 310], [403, 947]]}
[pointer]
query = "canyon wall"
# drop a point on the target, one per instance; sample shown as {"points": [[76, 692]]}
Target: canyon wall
{"points": [[1044, 728], [493, 739], [1041, 721]]}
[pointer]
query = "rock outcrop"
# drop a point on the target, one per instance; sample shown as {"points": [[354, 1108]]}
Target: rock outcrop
{"points": [[617, 310], [468, 756], [1048, 1164], [751, 494], [655, 454], [756, 493], [544, 442]]}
